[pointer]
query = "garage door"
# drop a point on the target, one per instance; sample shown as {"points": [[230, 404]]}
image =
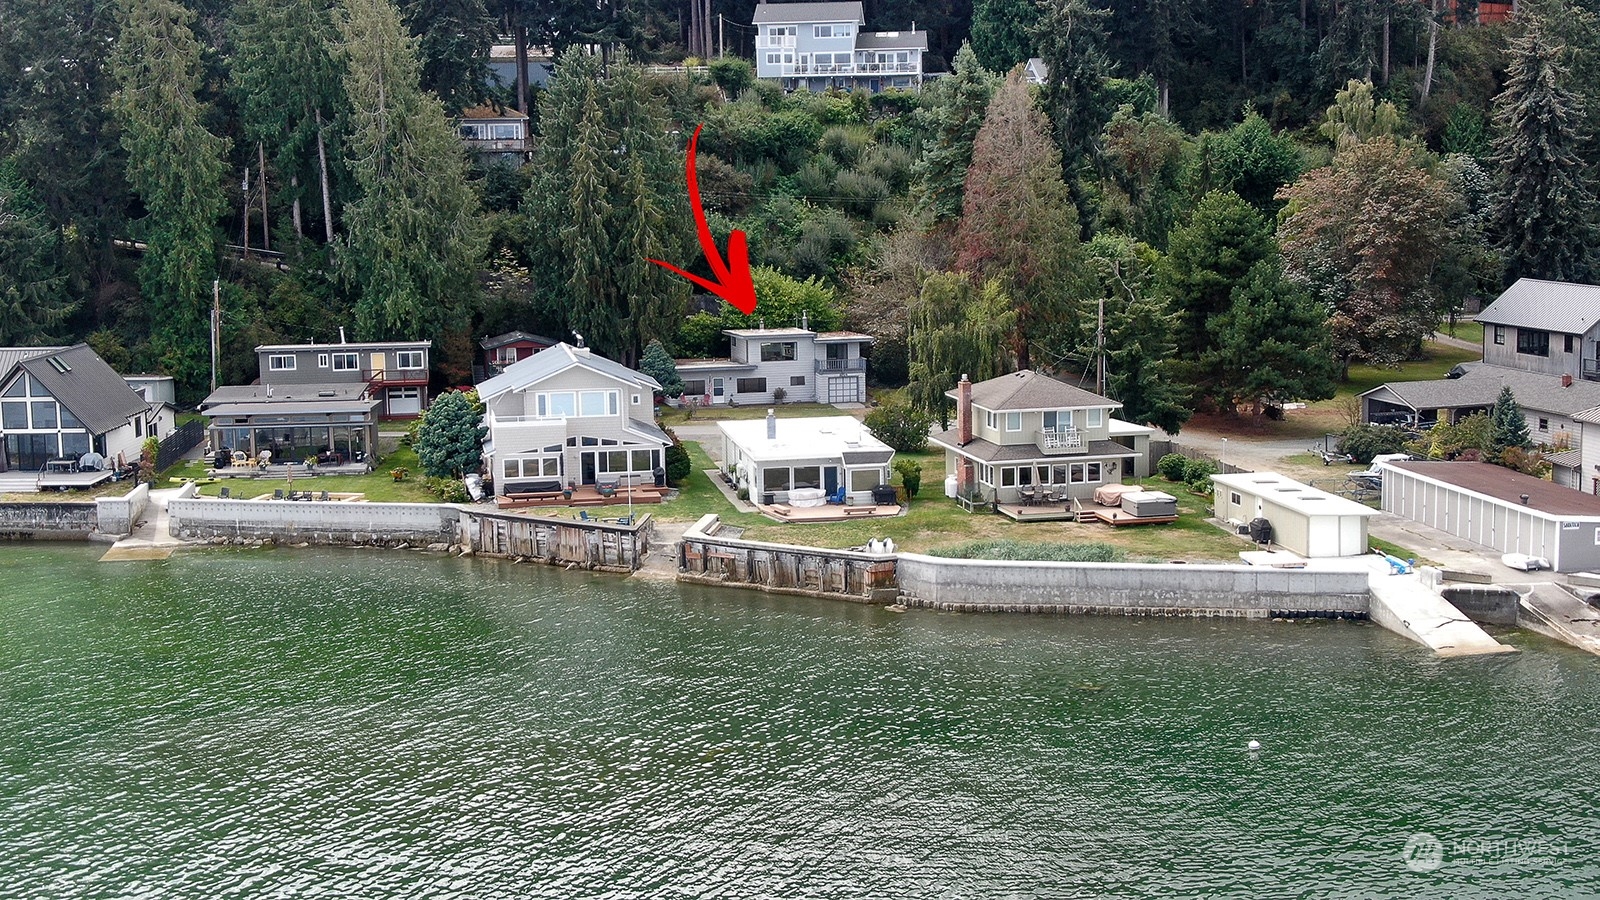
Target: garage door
{"points": [[844, 390], [405, 401]]}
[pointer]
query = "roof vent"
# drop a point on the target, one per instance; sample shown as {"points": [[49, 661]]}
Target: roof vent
{"points": [[326, 393]]}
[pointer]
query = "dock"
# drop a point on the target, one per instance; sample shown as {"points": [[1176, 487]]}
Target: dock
{"points": [[1408, 606]]}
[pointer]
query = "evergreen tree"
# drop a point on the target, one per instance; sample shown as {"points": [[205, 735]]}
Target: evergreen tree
{"points": [[285, 77], [1206, 259], [33, 299], [1271, 346], [1144, 157], [1508, 427], [1003, 32], [175, 165], [414, 239], [1142, 370], [1018, 223], [607, 196], [1249, 160], [951, 114], [454, 37], [1071, 39], [450, 438], [1546, 217], [658, 364]]}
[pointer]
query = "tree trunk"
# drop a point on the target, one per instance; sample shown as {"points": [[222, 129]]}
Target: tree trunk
{"points": [[327, 196], [521, 33], [1433, 49], [294, 212], [1386, 48]]}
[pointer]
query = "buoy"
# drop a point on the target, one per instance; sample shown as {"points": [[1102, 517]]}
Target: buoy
{"points": [[1254, 745]]}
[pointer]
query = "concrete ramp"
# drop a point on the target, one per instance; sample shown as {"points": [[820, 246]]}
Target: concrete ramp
{"points": [[1555, 612], [1409, 607]]}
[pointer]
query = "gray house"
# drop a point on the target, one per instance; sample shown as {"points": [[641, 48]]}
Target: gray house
{"points": [[568, 416], [817, 46], [59, 403], [806, 366], [1549, 402], [1548, 327]]}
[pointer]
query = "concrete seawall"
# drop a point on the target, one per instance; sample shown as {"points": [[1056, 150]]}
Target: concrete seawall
{"points": [[212, 520], [1128, 588], [56, 520]]}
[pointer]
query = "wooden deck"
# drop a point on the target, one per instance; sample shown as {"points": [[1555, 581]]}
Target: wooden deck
{"points": [[61, 481], [1077, 511], [1053, 512], [585, 495], [782, 512], [1119, 517]]}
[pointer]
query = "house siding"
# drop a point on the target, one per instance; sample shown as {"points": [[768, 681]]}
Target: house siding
{"points": [[369, 358], [1559, 362]]}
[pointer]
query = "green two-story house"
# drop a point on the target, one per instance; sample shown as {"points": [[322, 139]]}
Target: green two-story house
{"points": [[1027, 430]]}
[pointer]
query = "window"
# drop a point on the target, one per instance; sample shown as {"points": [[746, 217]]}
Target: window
{"points": [[408, 359], [1058, 420], [830, 31], [44, 414], [346, 362], [280, 362], [322, 360], [14, 416], [774, 479], [808, 476], [556, 405], [696, 387], [1566, 343], [1086, 473], [1499, 334], [1544, 424], [635, 399], [780, 59], [990, 420], [1096, 418], [138, 427], [797, 381], [1235, 499], [778, 352], [751, 386], [1013, 421], [18, 388], [1533, 343], [780, 36], [597, 403]]}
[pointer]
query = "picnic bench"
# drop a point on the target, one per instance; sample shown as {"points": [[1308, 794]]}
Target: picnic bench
{"points": [[860, 510]]}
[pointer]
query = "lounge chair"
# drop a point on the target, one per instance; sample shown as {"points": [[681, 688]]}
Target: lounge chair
{"points": [[277, 494], [225, 493], [325, 496], [583, 514]]}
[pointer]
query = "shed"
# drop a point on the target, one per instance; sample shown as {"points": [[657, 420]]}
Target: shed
{"points": [[1497, 508], [1306, 520]]}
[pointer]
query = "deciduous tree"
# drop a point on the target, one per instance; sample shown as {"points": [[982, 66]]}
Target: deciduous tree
{"points": [[955, 330]]}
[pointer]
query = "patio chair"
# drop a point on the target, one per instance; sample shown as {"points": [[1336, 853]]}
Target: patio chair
{"points": [[225, 493], [625, 520], [325, 496], [277, 494], [837, 497], [583, 515]]}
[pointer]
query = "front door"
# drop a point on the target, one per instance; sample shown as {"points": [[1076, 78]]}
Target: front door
{"points": [[377, 366], [588, 467], [830, 480], [717, 390]]}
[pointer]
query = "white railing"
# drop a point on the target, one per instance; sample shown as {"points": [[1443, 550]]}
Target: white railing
{"points": [[852, 69], [1061, 440]]}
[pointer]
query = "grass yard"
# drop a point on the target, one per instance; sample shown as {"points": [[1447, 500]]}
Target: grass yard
{"points": [[379, 485], [1465, 331]]}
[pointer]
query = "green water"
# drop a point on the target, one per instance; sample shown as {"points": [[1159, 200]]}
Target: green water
{"points": [[298, 723]]}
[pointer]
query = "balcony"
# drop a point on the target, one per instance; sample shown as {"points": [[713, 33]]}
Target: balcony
{"points": [[852, 69], [394, 376], [825, 366], [1591, 370], [1060, 441], [497, 145]]}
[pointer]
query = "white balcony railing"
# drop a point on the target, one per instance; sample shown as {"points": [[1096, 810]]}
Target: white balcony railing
{"points": [[1061, 440], [852, 69]]}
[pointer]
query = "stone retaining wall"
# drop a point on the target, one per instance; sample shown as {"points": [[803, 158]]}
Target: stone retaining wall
{"points": [[314, 522], [61, 520], [1128, 588]]}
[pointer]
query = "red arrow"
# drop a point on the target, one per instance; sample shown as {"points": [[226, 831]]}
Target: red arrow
{"points": [[733, 282]]}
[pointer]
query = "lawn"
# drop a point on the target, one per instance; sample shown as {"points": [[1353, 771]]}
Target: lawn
{"points": [[378, 486], [1466, 331]]}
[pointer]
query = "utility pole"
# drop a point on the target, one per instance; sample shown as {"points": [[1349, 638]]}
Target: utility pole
{"points": [[216, 327], [722, 43], [244, 189], [1100, 348], [261, 156]]}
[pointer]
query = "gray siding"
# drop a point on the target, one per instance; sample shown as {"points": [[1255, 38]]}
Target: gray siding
{"points": [[307, 371], [1559, 362]]}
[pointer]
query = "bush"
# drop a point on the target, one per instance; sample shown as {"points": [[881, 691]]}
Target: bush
{"points": [[450, 438], [1172, 465], [901, 426], [1363, 442], [733, 75], [1031, 550], [910, 475], [448, 490], [677, 461], [1197, 475]]}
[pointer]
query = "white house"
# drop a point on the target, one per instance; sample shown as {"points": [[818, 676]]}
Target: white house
{"points": [[771, 458], [817, 46], [1027, 429], [766, 365], [59, 403], [565, 416]]}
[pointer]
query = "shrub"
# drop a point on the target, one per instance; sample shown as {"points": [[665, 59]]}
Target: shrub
{"points": [[677, 461], [733, 75], [658, 364], [1172, 465], [1031, 550], [450, 439], [1363, 442], [448, 490], [901, 426], [780, 394], [1197, 475], [910, 475]]}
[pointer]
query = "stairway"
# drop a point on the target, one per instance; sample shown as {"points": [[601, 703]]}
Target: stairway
{"points": [[19, 482]]}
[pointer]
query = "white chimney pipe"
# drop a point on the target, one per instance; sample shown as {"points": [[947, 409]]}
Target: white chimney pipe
{"points": [[772, 425]]}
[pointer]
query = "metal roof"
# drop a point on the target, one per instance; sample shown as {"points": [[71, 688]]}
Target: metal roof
{"points": [[826, 337], [82, 382], [559, 358], [1481, 384], [1558, 306], [1028, 389], [1292, 495], [10, 356], [892, 40], [782, 13], [1506, 486], [990, 452], [512, 337]]}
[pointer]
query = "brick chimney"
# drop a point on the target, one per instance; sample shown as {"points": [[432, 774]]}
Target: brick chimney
{"points": [[964, 411], [1566, 380]]}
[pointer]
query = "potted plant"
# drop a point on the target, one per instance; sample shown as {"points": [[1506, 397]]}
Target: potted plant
{"points": [[399, 473], [566, 492]]}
